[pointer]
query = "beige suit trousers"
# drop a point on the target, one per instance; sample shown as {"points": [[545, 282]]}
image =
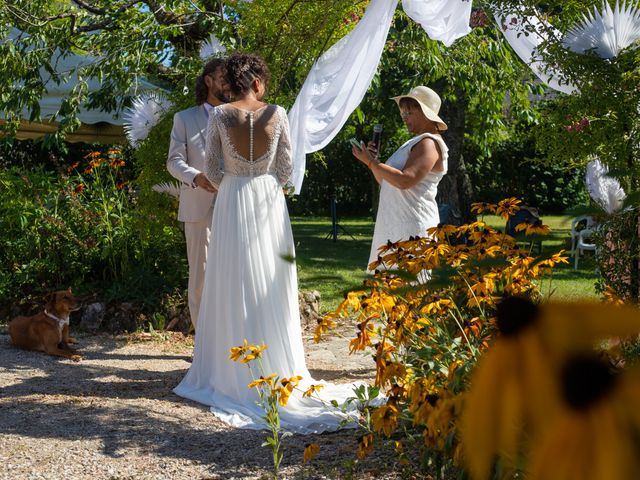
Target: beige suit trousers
{"points": [[197, 239]]}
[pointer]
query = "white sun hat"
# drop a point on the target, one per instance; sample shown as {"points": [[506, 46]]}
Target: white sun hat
{"points": [[429, 102]]}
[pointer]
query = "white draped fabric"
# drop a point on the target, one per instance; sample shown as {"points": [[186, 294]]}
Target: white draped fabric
{"points": [[336, 85], [525, 46], [443, 20]]}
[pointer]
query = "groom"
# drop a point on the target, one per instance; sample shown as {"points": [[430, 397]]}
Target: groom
{"points": [[186, 162]]}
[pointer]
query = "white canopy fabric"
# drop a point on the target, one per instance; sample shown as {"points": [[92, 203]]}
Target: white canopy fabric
{"points": [[337, 84], [443, 20]]}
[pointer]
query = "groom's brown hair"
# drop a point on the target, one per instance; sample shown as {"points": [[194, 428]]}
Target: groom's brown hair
{"points": [[202, 91]]}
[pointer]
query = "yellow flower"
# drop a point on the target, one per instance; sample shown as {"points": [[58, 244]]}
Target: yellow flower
{"points": [[353, 300], [238, 352], [554, 259], [310, 451], [288, 385], [312, 389], [439, 305], [458, 256], [255, 352], [393, 372], [533, 228], [482, 207], [434, 251], [324, 324], [508, 207], [485, 286], [442, 232], [596, 435], [365, 446], [385, 419], [262, 381], [363, 338], [486, 235]]}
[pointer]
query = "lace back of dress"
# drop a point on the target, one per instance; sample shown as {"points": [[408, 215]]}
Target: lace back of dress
{"points": [[251, 133]]}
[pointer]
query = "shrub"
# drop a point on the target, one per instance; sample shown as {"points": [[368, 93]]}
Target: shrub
{"points": [[82, 228], [426, 337], [618, 255], [515, 168]]}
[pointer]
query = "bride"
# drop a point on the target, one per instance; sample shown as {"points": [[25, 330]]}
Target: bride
{"points": [[251, 288]]}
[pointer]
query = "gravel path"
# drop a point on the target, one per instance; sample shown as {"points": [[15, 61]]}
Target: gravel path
{"points": [[113, 416]]}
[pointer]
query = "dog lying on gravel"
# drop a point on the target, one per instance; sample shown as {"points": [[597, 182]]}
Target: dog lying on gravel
{"points": [[48, 331]]}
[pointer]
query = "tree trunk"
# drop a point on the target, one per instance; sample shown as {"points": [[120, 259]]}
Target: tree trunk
{"points": [[455, 188]]}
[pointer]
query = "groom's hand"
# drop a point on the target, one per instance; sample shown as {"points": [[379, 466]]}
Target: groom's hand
{"points": [[201, 181]]}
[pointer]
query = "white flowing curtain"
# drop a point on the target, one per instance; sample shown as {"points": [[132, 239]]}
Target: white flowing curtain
{"points": [[336, 85], [340, 78]]}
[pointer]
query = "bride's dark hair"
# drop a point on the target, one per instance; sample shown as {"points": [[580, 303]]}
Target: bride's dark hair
{"points": [[241, 69]]}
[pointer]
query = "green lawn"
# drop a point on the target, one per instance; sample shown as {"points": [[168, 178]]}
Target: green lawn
{"points": [[334, 268]]}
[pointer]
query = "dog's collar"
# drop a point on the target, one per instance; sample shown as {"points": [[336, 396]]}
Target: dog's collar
{"points": [[58, 319]]}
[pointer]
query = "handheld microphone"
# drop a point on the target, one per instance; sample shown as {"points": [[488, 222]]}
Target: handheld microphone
{"points": [[377, 136]]}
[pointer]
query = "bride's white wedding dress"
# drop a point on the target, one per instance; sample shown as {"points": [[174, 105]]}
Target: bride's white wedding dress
{"points": [[251, 288]]}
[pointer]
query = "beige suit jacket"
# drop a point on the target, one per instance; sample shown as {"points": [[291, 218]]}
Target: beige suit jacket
{"points": [[186, 159]]}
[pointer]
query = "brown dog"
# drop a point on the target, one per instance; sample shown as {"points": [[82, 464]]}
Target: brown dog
{"points": [[47, 331]]}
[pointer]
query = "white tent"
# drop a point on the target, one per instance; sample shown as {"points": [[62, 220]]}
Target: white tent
{"points": [[97, 126]]}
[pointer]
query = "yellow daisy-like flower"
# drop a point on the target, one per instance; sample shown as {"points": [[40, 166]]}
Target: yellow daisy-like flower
{"points": [[310, 451], [311, 390], [288, 385], [324, 325], [255, 352], [352, 301], [262, 381], [458, 256], [385, 419], [483, 207], [442, 232], [533, 228], [439, 305], [238, 352], [508, 207]]}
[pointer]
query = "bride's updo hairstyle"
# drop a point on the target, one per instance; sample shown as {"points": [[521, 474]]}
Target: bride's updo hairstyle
{"points": [[242, 69]]}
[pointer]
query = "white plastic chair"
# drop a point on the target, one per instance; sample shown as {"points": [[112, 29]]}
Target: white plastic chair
{"points": [[578, 224], [582, 244]]}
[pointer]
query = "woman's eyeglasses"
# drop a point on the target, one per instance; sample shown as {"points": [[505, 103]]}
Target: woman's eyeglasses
{"points": [[405, 113]]}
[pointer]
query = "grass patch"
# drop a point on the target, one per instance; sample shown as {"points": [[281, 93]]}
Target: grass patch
{"points": [[334, 268]]}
